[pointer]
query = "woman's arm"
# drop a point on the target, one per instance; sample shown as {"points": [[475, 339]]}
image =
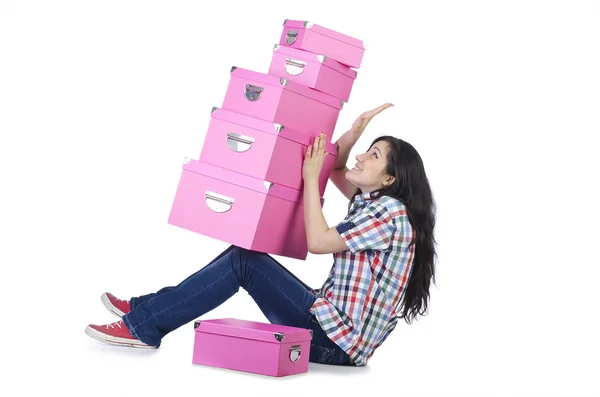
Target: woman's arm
{"points": [[338, 177], [344, 145], [320, 238], [339, 169]]}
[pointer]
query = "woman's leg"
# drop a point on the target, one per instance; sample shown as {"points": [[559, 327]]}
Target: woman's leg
{"points": [[280, 296], [142, 298]]}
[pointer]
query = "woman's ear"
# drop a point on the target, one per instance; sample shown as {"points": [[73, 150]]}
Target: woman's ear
{"points": [[389, 180]]}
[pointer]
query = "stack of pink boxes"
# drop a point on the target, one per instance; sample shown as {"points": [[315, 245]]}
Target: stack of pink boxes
{"points": [[246, 187]]}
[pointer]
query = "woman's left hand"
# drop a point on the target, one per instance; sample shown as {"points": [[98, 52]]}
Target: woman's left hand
{"points": [[313, 161]]}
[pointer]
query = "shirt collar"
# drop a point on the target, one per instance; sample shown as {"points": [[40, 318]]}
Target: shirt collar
{"points": [[361, 198]]}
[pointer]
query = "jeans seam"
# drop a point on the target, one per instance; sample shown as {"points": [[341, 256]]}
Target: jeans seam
{"points": [[130, 327], [180, 302], [282, 291]]}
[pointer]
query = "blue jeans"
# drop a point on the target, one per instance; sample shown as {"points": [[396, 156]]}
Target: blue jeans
{"points": [[282, 297]]}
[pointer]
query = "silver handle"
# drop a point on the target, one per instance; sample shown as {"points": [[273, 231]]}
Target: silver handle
{"points": [[290, 37], [295, 353], [253, 93], [294, 67], [239, 143], [218, 202]]}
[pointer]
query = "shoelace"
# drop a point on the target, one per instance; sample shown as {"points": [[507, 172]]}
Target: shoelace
{"points": [[115, 323]]}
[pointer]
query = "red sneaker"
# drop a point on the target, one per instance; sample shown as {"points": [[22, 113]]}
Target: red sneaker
{"points": [[115, 334], [116, 306]]}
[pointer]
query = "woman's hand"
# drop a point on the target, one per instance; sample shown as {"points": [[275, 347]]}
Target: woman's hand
{"points": [[313, 161], [358, 127]]}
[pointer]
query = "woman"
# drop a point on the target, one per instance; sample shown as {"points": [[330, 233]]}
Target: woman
{"points": [[383, 262]]}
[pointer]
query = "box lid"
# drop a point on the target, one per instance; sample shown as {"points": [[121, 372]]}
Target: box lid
{"points": [[245, 181], [268, 127], [288, 85], [273, 333], [311, 56], [296, 24]]}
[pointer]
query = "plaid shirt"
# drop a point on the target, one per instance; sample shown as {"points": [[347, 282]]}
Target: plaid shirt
{"points": [[358, 304]]}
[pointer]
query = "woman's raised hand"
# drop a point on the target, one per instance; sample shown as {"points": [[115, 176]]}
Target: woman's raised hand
{"points": [[358, 127]]}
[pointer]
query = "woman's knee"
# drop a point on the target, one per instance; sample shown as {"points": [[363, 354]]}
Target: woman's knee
{"points": [[247, 254], [242, 262]]}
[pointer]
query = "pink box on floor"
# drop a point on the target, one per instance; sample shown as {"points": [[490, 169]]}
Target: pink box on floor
{"points": [[240, 210], [307, 36], [261, 348], [313, 70], [261, 149], [278, 100]]}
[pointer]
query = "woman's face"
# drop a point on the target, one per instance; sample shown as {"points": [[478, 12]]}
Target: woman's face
{"points": [[369, 172]]}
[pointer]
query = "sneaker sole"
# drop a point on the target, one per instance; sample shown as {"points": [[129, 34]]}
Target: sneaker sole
{"points": [[111, 308], [99, 336]]}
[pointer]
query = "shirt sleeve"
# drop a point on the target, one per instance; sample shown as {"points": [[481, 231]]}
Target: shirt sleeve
{"points": [[373, 228]]}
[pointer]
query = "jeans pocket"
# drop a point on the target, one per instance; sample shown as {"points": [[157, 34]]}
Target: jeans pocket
{"points": [[320, 354]]}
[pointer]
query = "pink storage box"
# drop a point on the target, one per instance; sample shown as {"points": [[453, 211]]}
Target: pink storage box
{"points": [[261, 149], [278, 100], [260, 348], [240, 210], [313, 70], [308, 36]]}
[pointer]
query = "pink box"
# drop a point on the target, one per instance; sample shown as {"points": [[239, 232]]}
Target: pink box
{"points": [[240, 210], [308, 36], [282, 101], [313, 70], [261, 348], [261, 149]]}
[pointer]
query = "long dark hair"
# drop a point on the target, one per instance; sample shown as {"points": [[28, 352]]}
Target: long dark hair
{"points": [[411, 187]]}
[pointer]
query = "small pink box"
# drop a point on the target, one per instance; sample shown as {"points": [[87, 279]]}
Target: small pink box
{"points": [[261, 149], [260, 348], [307, 36], [313, 70], [278, 100], [240, 210]]}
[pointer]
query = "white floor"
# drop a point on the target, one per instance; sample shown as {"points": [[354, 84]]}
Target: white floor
{"points": [[474, 355]]}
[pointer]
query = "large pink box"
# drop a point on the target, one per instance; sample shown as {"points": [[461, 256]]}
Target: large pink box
{"points": [[261, 348], [313, 70], [278, 100], [305, 35], [241, 210], [261, 149]]}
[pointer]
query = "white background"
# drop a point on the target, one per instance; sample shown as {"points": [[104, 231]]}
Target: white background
{"points": [[101, 101]]}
